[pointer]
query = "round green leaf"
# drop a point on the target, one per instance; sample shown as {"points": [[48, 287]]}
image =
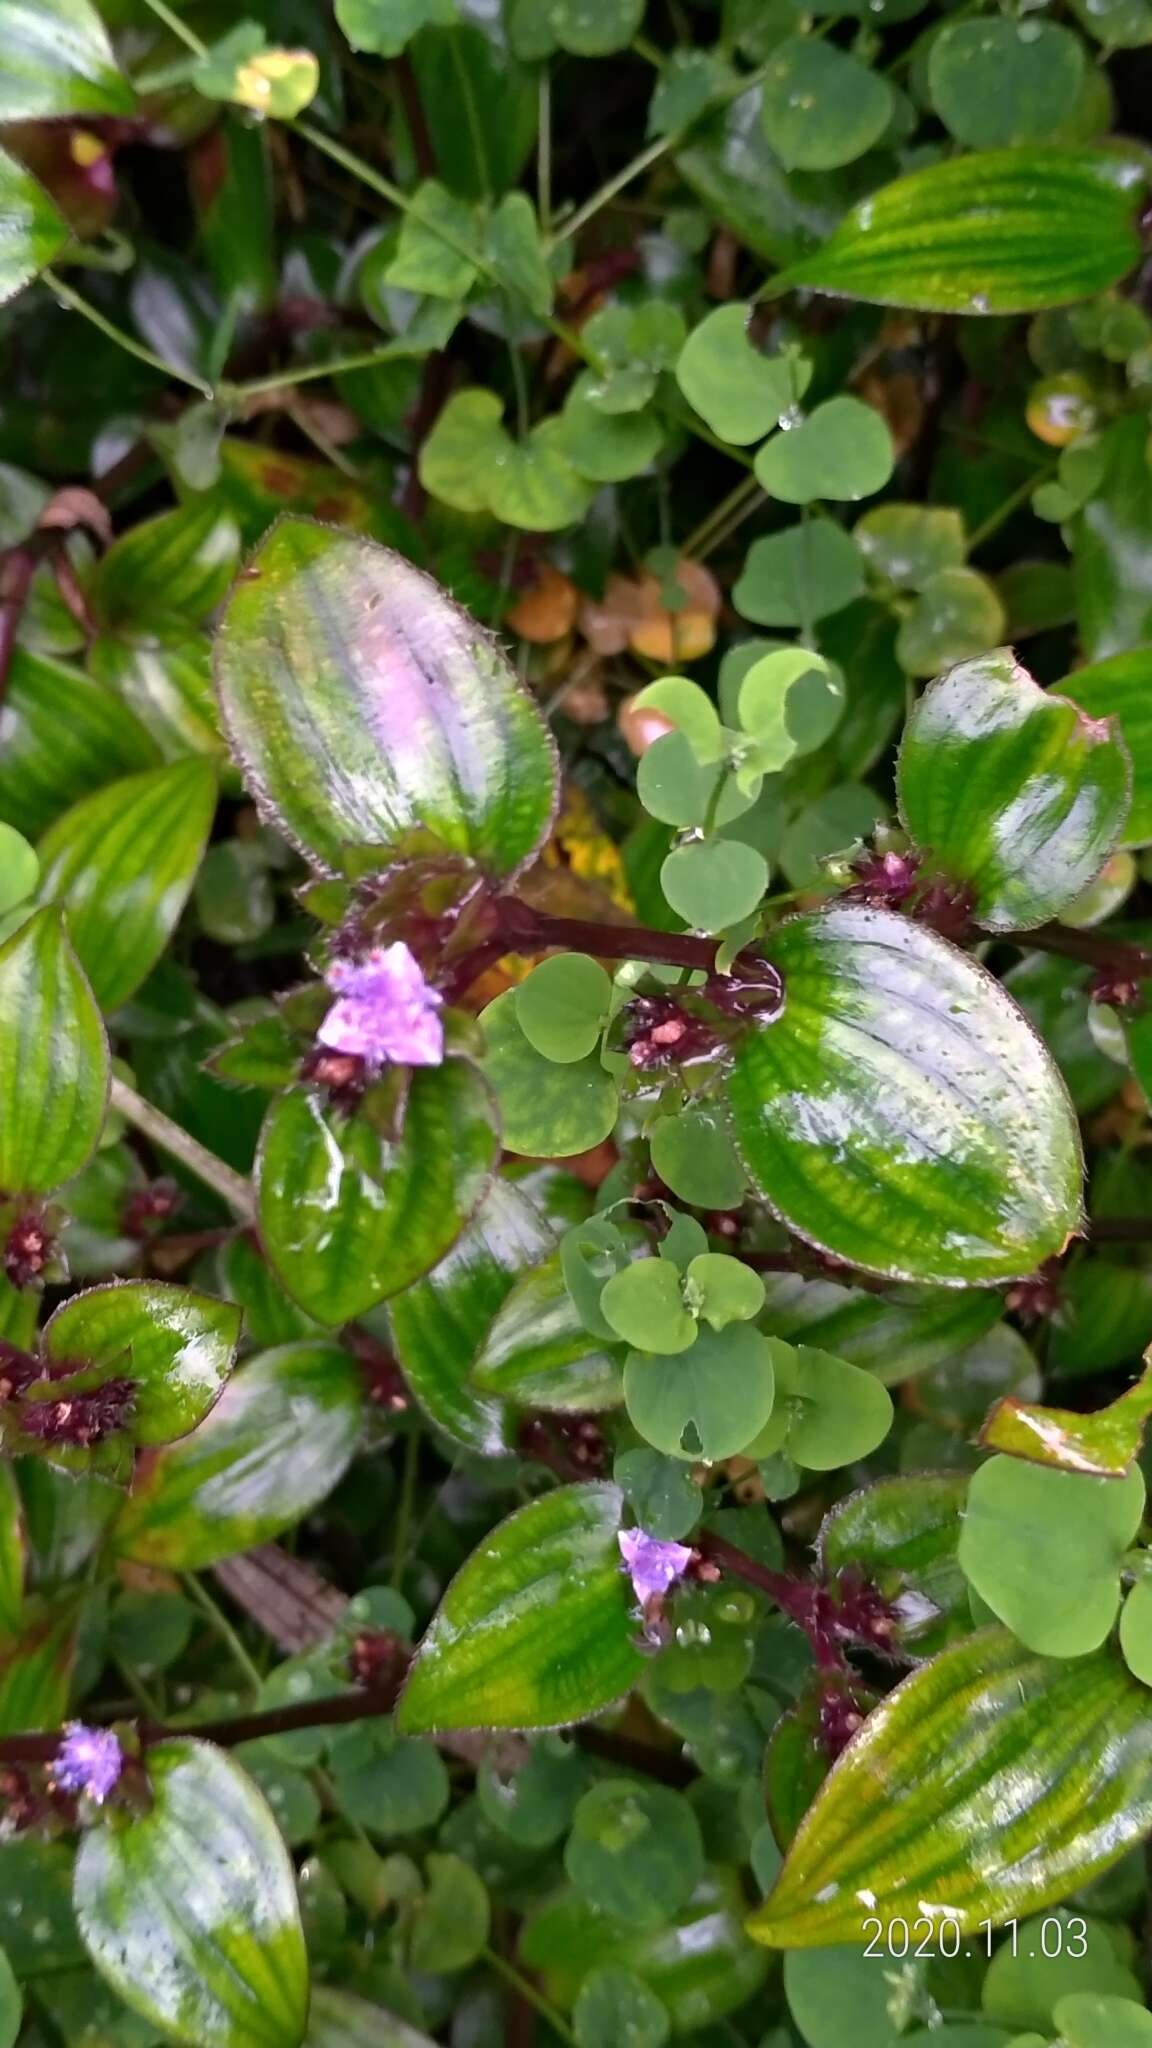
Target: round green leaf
{"points": [[999, 82], [635, 1851], [835, 1997], [561, 1006], [956, 614], [595, 28], [348, 1216], [616, 2009], [842, 450], [1095, 2019], [694, 1155], [452, 1921], [644, 1306], [535, 1630], [177, 1346], [590, 1253], [724, 1290], [714, 883], [906, 544], [546, 1111], [740, 393], [673, 785], [839, 1412], [189, 1910], [532, 1801], [1136, 1631], [392, 1786], [800, 575], [54, 1069], [664, 1498], [772, 686], [900, 1113], [820, 107], [1014, 791], [1043, 1549], [605, 447], [279, 1438], [690, 709], [1023, 1985], [362, 704], [709, 1402]]}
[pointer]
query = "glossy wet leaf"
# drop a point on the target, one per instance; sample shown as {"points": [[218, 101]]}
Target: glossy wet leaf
{"points": [[900, 1113], [821, 107], [1001, 83], [714, 883], [902, 1534], [164, 673], [58, 60], [64, 737], [1011, 789], [32, 232], [190, 1909], [709, 1402], [644, 1305], [348, 1216], [828, 1413], [122, 863], [176, 1345], [537, 1353], [278, 1440], [1120, 689], [842, 450], [180, 563], [535, 1630], [1044, 1550], [738, 390], [1002, 231], [1008, 1780], [53, 1059], [955, 615], [907, 544], [1110, 545], [1102, 1444], [634, 1851], [362, 704], [897, 1334], [546, 1111]]}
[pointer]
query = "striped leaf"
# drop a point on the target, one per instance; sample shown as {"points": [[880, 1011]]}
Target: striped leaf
{"points": [[64, 736], [53, 1060], [32, 232]]}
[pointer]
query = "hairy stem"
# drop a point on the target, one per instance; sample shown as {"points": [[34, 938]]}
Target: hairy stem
{"points": [[179, 1143]]}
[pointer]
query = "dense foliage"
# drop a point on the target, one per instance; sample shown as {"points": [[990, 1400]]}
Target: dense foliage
{"points": [[575, 1063]]}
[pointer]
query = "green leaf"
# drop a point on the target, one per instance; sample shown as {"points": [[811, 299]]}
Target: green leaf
{"points": [[384, 27], [53, 1060], [19, 869], [693, 1154], [1009, 1780], [842, 450], [630, 345], [546, 1111], [182, 562], [616, 2006], [956, 614], [999, 83], [164, 674], [177, 1346], [595, 28], [900, 1113], [561, 1006], [480, 105], [799, 576], [122, 863], [440, 1325], [517, 253], [723, 1290], [709, 1402], [1089, 2019], [1023, 1984], [338, 2019], [829, 1412], [1136, 1631], [740, 393], [11, 2004], [452, 1922], [64, 736], [635, 1851], [387, 1784], [714, 883], [439, 246], [663, 1496], [537, 1352], [1111, 550], [362, 704], [1044, 1549], [1121, 688], [1006, 231], [907, 544], [278, 1440], [535, 1630], [32, 231], [605, 447], [644, 1305], [348, 1216], [820, 107], [189, 1910], [690, 709], [774, 686], [1103, 1444], [902, 1534], [1012, 790], [58, 60]]}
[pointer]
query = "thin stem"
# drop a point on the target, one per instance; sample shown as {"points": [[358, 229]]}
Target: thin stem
{"points": [[172, 1138], [221, 1626], [526, 1990], [180, 29], [544, 150], [1008, 506], [405, 1505], [519, 380], [79, 304], [1112, 956], [306, 373], [740, 499]]}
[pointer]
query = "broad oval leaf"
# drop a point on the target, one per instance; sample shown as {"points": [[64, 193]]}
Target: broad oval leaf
{"points": [[893, 1335], [64, 736], [279, 1438], [54, 1070], [1044, 1550], [535, 1630], [190, 1911], [1012, 790], [1121, 688], [989, 1783], [32, 231], [538, 1353], [348, 1217], [1004, 231], [58, 60], [123, 862], [902, 1533], [901, 1113], [547, 1111], [362, 704], [176, 1345]]}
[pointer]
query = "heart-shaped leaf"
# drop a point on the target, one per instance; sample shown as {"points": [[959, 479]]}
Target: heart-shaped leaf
{"points": [[1120, 688], [278, 1440], [32, 232], [189, 1910], [175, 1345], [439, 1326], [538, 1354], [64, 736], [349, 1217], [1006, 231], [123, 862], [362, 704], [547, 1110], [987, 1784], [1012, 790], [1103, 1444], [901, 1113], [1044, 1550], [53, 1060], [535, 1630], [737, 390], [58, 60]]}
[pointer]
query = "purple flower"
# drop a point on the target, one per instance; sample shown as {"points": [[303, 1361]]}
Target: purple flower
{"points": [[88, 1760], [654, 1566], [385, 1010]]}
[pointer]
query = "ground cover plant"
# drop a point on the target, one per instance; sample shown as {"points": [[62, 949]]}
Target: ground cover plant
{"points": [[575, 1053]]}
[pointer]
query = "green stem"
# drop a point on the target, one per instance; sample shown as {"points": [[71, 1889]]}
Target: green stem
{"points": [[526, 1990], [1010, 504], [180, 29], [307, 373], [739, 499], [405, 1505], [172, 1138], [78, 304], [218, 1621]]}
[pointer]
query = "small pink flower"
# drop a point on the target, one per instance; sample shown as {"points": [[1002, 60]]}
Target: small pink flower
{"points": [[385, 1010], [654, 1566], [88, 1760]]}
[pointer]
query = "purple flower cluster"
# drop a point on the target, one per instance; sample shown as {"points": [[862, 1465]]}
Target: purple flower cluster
{"points": [[385, 1010], [89, 1760]]}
